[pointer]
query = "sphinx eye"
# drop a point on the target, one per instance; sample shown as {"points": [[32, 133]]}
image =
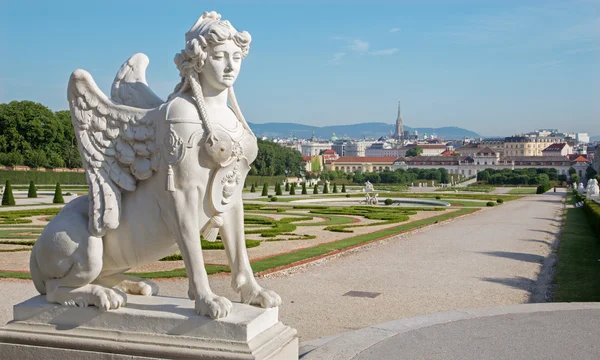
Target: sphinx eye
{"points": [[218, 56], [237, 56]]}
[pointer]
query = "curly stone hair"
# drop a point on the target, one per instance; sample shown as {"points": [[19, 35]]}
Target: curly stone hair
{"points": [[208, 30]]}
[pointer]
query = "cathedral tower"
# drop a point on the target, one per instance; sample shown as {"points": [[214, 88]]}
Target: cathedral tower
{"points": [[399, 134]]}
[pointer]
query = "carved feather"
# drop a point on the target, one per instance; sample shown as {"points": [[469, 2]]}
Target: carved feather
{"points": [[113, 144], [130, 86]]}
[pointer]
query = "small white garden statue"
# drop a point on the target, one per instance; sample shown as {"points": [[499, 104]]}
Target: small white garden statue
{"points": [[592, 189], [581, 188], [160, 173]]}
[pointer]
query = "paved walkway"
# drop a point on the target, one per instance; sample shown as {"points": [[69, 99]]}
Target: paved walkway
{"points": [[531, 331], [490, 258]]}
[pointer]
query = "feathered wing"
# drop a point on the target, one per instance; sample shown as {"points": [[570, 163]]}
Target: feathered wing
{"points": [[117, 146], [130, 86]]}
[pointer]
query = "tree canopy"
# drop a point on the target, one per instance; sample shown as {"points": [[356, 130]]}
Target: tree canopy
{"points": [[416, 151], [33, 135], [274, 159]]}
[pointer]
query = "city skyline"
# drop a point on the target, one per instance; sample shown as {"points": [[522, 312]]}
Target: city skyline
{"points": [[497, 68]]}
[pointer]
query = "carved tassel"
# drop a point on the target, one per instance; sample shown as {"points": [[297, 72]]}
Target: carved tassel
{"points": [[211, 230], [170, 180]]}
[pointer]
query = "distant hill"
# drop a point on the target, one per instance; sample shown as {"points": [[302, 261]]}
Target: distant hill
{"points": [[595, 138], [355, 131]]}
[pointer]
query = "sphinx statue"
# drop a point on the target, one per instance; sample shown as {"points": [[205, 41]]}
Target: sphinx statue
{"points": [[581, 188], [593, 191], [160, 173]]}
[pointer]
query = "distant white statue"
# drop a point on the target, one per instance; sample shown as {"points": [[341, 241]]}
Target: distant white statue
{"points": [[581, 188], [159, 173], [593, 191], [374, 199], [369, 187]]}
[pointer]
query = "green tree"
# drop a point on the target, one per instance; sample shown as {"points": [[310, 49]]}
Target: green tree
{"points": [[7, 197], [590, 172], [572, 170], [293, 189], [575, 179], [343, 188], [275, 160], [32, 193], [265, 190], [415, 151], [36, 158], [304, 188], [11, 159], [278, 189], [325, 188], [315, 189], [335, 188], [58, 198], [315, 164]]}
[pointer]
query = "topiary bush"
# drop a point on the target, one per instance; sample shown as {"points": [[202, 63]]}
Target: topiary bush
{"points": [[287, 186], [252, 188], [325, 188], [335, 188], [438, 197], [58, 198], [343, 188], [7, 197], [304, 188], [500, 201], [347, 195], [316, 189], [542, 189], [278, 189], [293, 189], [274, 198], [387, 201], [32, 193], [490, 203], [265, 190], [592, 212]]}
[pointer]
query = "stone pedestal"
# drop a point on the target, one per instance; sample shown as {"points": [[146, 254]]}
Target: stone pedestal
{"points": [[146, 328]]}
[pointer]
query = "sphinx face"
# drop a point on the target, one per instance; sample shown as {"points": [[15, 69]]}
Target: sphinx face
{"points": [[222, 66]]}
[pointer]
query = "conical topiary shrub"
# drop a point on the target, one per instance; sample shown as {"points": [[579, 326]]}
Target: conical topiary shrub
{"points": [[325, 188], [252, 188], [278, 189], [303, 188], [32, 193], [316, 189], [293, 189], [287, 186], [334, 188], [7, 197], [265, 190], [343, 188], [58, 198]]}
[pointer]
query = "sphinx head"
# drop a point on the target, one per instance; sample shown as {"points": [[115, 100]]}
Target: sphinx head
{"points": [[214, 50]]}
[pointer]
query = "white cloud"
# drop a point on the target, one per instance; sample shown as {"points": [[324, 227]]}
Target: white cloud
{"points": [[385, 51], [393, 30], [337, 58], [359, 46]]}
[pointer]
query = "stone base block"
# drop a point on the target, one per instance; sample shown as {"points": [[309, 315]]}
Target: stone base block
{"points": [[146, 328]]}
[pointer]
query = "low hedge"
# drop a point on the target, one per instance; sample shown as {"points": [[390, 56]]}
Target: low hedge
{"points": [[490, 203], [42, 177], [592, 212], [542, 189]]}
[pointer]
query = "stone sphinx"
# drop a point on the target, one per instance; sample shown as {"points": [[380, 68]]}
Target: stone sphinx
{"points": [[581, 188], [160, 174], [593, 191]]}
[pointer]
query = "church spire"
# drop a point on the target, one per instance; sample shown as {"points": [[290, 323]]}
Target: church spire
{"points": [[399, 134]]}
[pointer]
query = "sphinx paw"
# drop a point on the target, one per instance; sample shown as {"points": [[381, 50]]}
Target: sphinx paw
{"points": [[215, 307]]}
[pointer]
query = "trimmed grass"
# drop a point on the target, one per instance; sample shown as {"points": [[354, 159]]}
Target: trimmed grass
{"points": [[296, 256], [523, 191], [18, 234], [319, 250], [578, 269]]}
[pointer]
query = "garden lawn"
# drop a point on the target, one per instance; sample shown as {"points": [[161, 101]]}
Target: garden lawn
{"points": [[523, 191], [578, 269]]}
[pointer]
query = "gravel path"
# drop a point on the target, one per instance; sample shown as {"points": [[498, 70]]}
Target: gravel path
{"points": [[490, 258]]}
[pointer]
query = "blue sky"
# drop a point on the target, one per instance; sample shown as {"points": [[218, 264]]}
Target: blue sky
{"points": [[494, 67]]}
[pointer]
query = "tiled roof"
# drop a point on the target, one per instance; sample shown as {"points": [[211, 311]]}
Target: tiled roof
{"points": [[555, 147], [581, 159], [486, 150]]}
